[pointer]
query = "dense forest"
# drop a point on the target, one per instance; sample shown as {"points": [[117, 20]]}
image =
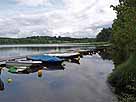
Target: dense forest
{"points": [[45, 40], [123, 78], [104, 35]]}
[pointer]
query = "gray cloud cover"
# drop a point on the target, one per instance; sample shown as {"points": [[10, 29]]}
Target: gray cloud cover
{"points": [[76, 18]]}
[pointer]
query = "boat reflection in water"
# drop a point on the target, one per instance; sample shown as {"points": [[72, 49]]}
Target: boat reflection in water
{"points": [[1, 82], [32, 69], [77, 61], [38, 68]]}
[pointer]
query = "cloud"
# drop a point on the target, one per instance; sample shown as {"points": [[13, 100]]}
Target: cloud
{"points": [[32, 2], [76, 18]]}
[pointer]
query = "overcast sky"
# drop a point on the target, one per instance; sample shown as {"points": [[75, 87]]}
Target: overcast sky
{"points": [[73, 18]]}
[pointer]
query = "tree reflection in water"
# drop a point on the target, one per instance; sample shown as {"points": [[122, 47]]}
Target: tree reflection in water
{"points": [[1, 85]]}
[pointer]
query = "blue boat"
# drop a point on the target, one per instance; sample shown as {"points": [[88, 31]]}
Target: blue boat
{"points": [[47, 59]]}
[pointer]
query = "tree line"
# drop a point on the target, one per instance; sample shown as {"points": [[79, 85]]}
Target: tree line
{"points": [[104, 36], [45, 40]]}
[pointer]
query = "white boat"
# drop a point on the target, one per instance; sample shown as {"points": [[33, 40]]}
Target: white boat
{"points": [[64, 55], [20, 69], [26, 63]]}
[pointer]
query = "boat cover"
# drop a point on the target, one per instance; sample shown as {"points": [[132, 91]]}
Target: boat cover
{"points": [[12, 69]]}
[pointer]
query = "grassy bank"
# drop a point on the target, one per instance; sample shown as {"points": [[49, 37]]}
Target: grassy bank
{"points": [[123, 79], [94, 43], [100, 43]]}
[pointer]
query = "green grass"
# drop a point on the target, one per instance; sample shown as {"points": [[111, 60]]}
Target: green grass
{"points": [[123, 79], [97, 43]]}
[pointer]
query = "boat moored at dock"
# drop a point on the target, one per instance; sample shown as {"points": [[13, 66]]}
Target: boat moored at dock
{"points": [[26, 63], [46, 59], [65, 55]]}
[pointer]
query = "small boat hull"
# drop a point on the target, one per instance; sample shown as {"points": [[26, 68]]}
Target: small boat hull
{"points": [[22, 63], [47, 60], [65, 55]]}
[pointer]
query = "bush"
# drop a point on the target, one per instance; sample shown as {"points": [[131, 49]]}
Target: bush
{"points": [[123, 78]]}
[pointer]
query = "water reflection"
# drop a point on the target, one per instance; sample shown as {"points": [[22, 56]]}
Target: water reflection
{"points": [[53, 85], [31, 70], [105, 52], [1, 85], [0, 70], [53, 68], [21, 51], [77, 61], [34, 69]]}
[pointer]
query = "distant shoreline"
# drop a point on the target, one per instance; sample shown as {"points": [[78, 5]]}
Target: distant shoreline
{"points": [[93, 44]]}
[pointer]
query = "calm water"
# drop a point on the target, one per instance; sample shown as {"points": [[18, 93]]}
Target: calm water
{"points": [[84, 82], [20, 50]]}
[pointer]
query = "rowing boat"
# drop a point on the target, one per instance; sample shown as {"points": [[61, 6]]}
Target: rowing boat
{"points": [[46, 59], [26, 63], [64, 55]]}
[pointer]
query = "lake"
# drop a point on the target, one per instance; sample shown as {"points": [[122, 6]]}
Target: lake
{"points": [[22, 50], [84, 82]]}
